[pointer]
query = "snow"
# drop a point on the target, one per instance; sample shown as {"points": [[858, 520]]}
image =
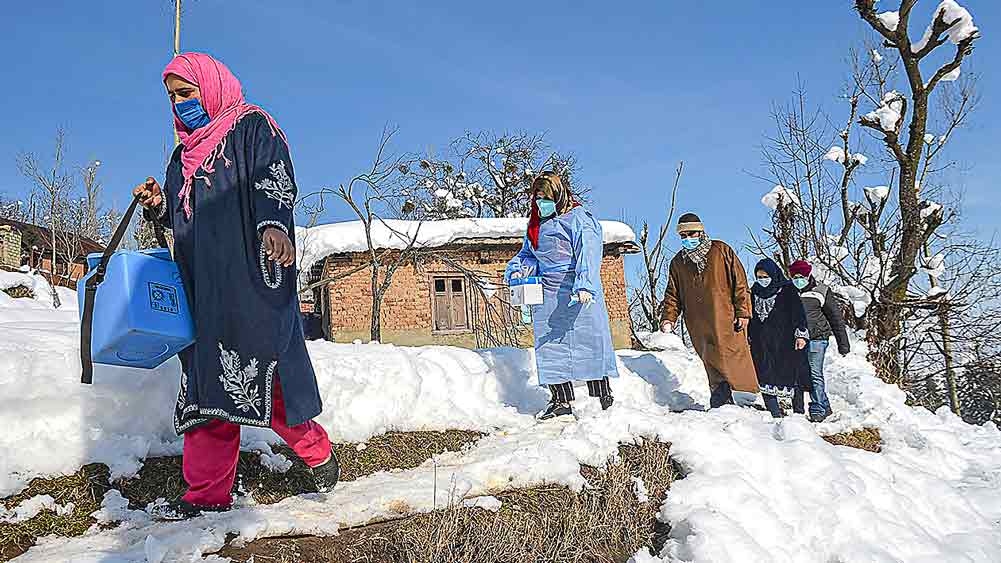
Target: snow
{"points": [[930, 208], [877, 194], [40, 288], [659, 340], [31, 507], [859, 298], [929, 139], [888, 114], [937, 291], [276, 463], [640, 490], [959, 18], [780, 195], [755, 489], [489, 503], [318, 242], [952, 75], [876, 57], [836, 154], [837, 251], [889, 19], [933, 266]]}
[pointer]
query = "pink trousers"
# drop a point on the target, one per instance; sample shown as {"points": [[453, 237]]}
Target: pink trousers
{"points": [[212, 451]]}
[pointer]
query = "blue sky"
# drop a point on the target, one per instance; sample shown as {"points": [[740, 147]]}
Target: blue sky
{"points": [[630, 88]]}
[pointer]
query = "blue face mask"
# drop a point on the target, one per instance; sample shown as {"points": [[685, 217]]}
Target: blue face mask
{"points": [[547, 207], [764, 282], [691, 243], [800, 283], [192, 114]]}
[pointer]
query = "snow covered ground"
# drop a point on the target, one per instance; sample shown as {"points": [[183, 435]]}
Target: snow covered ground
{"points": [[756, 489]]}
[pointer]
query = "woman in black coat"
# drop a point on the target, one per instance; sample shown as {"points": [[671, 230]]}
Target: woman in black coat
{"points": [[779, 335]]}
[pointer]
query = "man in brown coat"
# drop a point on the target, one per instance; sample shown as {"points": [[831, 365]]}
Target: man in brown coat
{"points": [[709, 285]]}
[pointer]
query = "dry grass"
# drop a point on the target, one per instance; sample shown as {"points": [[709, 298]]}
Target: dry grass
{"points": [[19, 291], [85, 489], [867, 439], [162, 478], [603, 523]]}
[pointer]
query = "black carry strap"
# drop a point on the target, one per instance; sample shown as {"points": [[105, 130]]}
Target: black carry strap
{"points": [[90, 292]]}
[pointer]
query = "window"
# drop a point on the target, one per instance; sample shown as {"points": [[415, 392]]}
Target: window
{"points": [[449, 304]]}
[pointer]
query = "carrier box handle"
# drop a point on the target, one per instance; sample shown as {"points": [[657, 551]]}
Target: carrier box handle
{"points": [[90, 291]]}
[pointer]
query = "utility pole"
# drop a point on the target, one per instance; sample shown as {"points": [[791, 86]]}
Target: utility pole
{"points": [[177, 27], [177, 45]]}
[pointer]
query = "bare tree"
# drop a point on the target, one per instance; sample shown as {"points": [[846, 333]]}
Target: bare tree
{"points": [[901, 255], [487, 174], [889, 120], [374, 197], [54, 184], [647, 299]]}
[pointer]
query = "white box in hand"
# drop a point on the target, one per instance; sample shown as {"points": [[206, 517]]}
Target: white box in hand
{"points": [[526, 291]]}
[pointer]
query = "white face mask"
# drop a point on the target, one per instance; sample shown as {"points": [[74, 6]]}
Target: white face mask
{"points": [[764, 282]]}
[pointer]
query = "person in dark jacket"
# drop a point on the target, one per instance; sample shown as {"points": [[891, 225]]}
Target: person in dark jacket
{"points": [[778, 333], [823, 316], [228, 198]]}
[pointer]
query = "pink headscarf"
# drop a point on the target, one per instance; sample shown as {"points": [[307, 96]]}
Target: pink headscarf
{"points": [[222, 98]]}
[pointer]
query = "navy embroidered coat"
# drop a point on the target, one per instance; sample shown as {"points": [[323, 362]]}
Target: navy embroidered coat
{"points": [[246, 310], [778, 320]]}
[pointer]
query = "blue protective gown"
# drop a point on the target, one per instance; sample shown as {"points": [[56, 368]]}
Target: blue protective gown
{"points": [[572, 342]]}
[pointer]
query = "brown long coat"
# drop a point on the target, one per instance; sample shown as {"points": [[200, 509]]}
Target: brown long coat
{"points": [[712, 303]]}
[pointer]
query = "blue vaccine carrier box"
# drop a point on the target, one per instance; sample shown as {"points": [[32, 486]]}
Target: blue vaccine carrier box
{"points": [[141, 314]]}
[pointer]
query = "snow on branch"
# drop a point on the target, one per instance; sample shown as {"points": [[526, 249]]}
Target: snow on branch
{"points": [[953, 20], [780, 196], [930, 209], [837, 154], [952, 75], [877, 194], [889, 19], [933, 266], [889, 115]]}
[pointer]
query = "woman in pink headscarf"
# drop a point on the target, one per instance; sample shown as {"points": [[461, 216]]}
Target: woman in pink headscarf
{"points": [[228, 196]]}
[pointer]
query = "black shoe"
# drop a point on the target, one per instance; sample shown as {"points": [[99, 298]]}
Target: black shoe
{"points": [[555, 409], [325, 476], [606, 402], [180, 509]]}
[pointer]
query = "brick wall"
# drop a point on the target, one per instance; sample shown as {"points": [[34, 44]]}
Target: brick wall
{"points": [[407, 310], [10, 247]]}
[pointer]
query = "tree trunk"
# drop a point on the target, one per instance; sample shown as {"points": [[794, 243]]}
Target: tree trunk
{"points": [[882, 336], [950, 374], [52, 266], [376, 333]]}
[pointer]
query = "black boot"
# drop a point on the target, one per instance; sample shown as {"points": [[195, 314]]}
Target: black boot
{"points": [[180, 509], [606, 402], [326, 475], [602, 390], [555, 409]]}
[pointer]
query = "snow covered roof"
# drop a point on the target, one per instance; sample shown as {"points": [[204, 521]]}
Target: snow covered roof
{"points": [[318, 242]]}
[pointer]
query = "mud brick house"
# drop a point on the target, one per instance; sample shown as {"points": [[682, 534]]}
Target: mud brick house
{"points": [[452, 293], [24, 244]]}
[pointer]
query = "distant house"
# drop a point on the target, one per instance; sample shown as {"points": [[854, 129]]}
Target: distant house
{"points": [[24, 244], [452, 295]]}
